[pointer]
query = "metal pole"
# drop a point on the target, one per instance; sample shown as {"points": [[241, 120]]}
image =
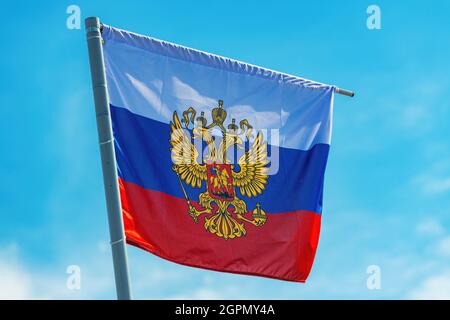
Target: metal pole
{"points": [[345, 92], [106, 141]]}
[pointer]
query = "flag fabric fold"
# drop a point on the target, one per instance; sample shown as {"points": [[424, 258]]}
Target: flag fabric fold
{"points": [[221, 163]]}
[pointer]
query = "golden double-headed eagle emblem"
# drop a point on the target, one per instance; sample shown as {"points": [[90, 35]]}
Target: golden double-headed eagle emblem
{"points": [[225, 214]]}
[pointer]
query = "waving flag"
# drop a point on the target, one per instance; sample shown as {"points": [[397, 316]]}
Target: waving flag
{"points": [[220, 163]]}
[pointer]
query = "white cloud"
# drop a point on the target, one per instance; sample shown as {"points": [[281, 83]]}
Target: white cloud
{"points": [[103, 246], [430, 227], [433, 287], [438, 185], [20, 281], [431, 185], [200, 294], [15, 281], [210, 291], [443, 246], [414, 117]]}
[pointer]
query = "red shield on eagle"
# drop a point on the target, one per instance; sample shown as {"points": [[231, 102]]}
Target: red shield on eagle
{"points": [[220, 181]]}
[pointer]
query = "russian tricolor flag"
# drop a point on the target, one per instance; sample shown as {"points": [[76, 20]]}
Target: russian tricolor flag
{"points": [[221, 163]]}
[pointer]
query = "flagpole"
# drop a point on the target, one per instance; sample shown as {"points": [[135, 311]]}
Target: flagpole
{"points": [[345, 92], [108, 157]]}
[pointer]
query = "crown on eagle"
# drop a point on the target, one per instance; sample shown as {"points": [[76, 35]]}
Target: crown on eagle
{"points": [[218, 115]]}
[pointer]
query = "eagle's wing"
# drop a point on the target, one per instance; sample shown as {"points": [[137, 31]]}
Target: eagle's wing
{"points": [[252, 175], [184, 155]]}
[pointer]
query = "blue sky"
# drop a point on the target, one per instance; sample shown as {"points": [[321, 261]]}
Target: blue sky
{"points": [[387, 187]]}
